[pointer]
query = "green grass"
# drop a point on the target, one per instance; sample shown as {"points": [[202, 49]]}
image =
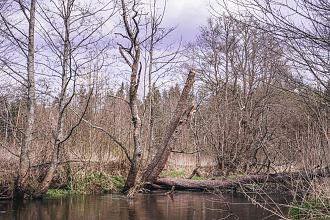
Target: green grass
{"points": [[118, 182], [198, 178], [98, 183], [94, 183], [57, 193], [173, 173], [310, 209]]}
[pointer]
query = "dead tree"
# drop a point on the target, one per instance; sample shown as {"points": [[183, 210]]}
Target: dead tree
{"points": [[188, 184], [159, 161]]}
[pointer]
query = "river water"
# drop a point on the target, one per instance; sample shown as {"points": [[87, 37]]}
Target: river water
{"points": [[183, 205]]}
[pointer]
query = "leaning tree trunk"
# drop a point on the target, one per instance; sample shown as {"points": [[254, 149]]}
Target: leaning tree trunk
{"points": [[159, 161], [24, 165]]}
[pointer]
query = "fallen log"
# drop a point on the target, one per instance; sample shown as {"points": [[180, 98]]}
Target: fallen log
{"points": [[188, 184]]}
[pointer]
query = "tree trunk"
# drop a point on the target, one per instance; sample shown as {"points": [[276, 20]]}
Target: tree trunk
{"points": [[24, 166], [58, 132], [159, 161], [134, 53], [133, 171]]}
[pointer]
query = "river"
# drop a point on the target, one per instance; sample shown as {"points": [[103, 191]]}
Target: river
{"points": [[183, 205]]}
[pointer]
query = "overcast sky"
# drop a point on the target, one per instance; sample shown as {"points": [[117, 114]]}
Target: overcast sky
{"points": [[188, 16]]}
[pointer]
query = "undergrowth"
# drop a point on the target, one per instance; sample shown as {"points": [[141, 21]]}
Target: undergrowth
{"points": [[310, 209], [93, 183]]}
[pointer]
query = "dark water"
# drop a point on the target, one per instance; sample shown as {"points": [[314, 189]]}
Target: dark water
{"points": [[184, 205]]}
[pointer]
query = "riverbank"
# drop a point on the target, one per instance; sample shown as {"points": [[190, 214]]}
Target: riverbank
{"points": [[93, 182]]}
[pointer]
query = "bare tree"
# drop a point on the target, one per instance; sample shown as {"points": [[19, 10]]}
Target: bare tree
{"points": [[75, 39], [132, 56], [27, 46]]}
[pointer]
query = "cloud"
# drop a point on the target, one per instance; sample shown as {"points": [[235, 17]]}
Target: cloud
{"points": [[188, 16]]}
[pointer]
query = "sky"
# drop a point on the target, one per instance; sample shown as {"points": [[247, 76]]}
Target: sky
{"points": [[187, 16]]}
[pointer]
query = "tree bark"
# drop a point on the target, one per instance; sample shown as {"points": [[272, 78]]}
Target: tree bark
{"points": [[24, 166], [132, 174], [134, 52], [159, 161]]}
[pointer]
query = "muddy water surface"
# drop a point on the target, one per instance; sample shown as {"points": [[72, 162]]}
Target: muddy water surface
{"points": [[183, 205]]}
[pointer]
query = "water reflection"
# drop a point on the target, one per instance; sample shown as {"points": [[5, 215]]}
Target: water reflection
{"points": [[183, 205]]}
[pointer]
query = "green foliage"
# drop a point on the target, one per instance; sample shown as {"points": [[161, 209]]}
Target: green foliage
{"points": [[310, 209], [94, 183], [97, 183], [173, 173], [57, 193], [118, 182]]}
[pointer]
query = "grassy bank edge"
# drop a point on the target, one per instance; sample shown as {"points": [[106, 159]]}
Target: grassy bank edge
{"points": [[94, 183]]}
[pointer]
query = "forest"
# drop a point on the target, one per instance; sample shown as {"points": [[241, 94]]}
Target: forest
{"points": [[101, 97]]}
